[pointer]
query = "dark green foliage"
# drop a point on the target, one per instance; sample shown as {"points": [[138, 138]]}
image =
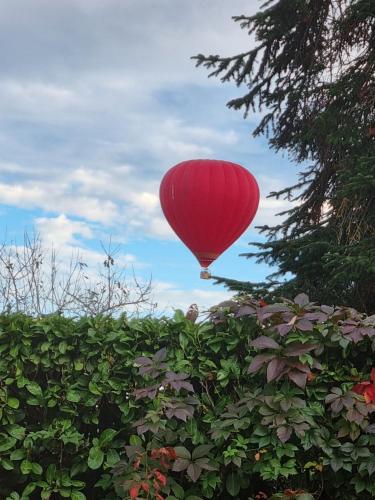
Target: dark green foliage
{"points": [[255, 402], [312, 72]]}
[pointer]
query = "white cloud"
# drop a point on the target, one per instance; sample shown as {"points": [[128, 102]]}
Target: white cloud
{"points": [[67, 237], [61, 231], [170, 296]]}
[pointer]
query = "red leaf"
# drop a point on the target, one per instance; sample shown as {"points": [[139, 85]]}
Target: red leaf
{"points": [[369, 394], [160, 477], [264, 342], [275, 368], [134, 490], [145, 487], [372, 376], [359, 388]]}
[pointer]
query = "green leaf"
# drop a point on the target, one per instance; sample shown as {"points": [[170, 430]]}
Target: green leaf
{"points": [[34, 389], [26, 467], [96, 457], [232, 484], [29, 489], [16, 431], [51, 473], [78, 365], [77, 495], [36, 469], [177, 490], [73, 396], [107, 437], [135, 440], [94, 389], [6, 464], [18, 454], [7, 443], [13, 403], [112, 457]]}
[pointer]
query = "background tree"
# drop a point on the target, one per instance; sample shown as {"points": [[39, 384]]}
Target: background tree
{"points": [[312, 73], [35, 281]]}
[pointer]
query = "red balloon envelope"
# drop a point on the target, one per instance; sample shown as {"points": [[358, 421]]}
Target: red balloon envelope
{"points": [[209, 204]]}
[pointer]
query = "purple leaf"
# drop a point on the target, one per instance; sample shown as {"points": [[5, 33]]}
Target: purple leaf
{"points": [[245, 311], [300, 366], [327, 309], [337, 405], [356, 335], [354, 416], [160, 355], [284, 329], [275, 368], [143, 361], [301, 428], [147, 392], [201, 451], [370, 429], [181, 464], [316, 316], [182, 452], [331, 397], [284, 433], [285, 404], [142, 429], [298, 349], [275, 308], [264, 342], [367, 331], [304, 325], [204, 464], [348, 328], [258, 362], [194, 471], [299, 378], [302, 299]]}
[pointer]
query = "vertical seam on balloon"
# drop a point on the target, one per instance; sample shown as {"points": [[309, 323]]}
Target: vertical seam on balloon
{"points": [[237, 205], [187, 174], [253, 204]]}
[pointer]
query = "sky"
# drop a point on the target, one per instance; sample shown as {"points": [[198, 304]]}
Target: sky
{"points": [[98, 99]]}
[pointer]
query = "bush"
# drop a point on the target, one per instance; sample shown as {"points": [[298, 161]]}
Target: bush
{"points": [[260, 401]]}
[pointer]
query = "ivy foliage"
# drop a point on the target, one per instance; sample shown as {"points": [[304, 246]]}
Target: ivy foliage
{"points": [[257, 402]]}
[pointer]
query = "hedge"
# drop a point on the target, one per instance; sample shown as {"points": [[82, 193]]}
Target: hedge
{"points": [[258, 401]]}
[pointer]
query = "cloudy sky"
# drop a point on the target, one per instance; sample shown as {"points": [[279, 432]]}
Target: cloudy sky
{"points": [[98, 99]]}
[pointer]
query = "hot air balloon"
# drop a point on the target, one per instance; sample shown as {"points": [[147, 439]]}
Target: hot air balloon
{"points": [[208, 204]]}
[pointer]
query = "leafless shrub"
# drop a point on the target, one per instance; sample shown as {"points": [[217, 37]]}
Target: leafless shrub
{"points": [[33, 281]]}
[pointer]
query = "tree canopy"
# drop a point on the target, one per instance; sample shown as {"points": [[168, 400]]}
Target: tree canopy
{"points": [[311, 71]]}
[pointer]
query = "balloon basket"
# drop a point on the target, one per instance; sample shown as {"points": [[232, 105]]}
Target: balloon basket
{"points": [[205, 274]]}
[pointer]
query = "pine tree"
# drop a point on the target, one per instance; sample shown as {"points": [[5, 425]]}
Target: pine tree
{"points": [[312, 74]]}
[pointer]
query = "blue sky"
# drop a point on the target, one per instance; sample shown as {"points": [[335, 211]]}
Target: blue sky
{"points": [[98, 100]]}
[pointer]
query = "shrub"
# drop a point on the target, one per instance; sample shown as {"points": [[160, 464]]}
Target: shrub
{"points": [[258, 402]]}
